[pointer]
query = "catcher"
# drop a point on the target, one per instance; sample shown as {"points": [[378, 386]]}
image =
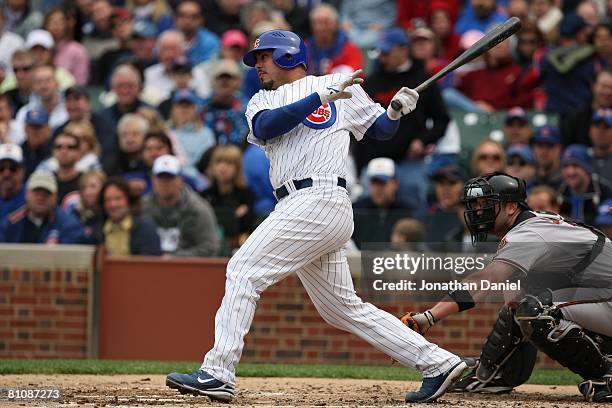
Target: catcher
{"points": [[565, 309]]}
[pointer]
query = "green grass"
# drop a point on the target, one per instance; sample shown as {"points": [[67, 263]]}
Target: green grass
{"points": [[18, 366]]}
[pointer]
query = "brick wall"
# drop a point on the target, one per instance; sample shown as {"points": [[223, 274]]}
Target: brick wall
{"points": [[287, 328]]}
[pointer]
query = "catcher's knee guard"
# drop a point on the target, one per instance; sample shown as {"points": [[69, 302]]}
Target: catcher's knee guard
{"points": [[506, 356], [562, 340]]}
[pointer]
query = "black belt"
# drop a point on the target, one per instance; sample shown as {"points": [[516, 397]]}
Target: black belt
{"points": [[282, 191]]}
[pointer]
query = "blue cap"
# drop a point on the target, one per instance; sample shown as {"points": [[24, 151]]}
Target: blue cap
{"points": [[37, 116], [604, 213], [391, 38], [181, 64], [602, 115], [185, 95], [144, 29], [547, 134], [516, 113], [521, 150], [571, 24], [579, 155]]}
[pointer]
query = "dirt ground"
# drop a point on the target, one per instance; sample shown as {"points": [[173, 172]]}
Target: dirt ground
{"points": [[145, 390]]}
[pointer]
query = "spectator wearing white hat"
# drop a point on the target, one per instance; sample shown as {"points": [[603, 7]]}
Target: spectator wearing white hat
{"points": [[42, 46], [12, 193], [381, 208], [186, 223], [40, 221]]}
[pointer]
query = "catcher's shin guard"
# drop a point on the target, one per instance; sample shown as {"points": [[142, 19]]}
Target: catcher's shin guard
{"points": [[562, 340], [506, 355]]}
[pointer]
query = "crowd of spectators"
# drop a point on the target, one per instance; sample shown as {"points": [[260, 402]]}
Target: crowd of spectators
{"points": [[122, 121]]}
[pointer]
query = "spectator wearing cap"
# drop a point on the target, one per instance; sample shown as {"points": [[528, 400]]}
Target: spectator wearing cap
{"points": [[121, 28], [229, 195], [45, 95], [295, 14], [582, 190], [601, 138], [188, 129], [543, 198], [142, 45], [381, 208], [546, 145], [18, 85], [126, 84], [329, 49], [125, 231], [424, 126], [40, 221], [521, 162], [12, 193], [171, 47], [38, 143], [234, 45], [444, 218], [9, 42], [364, 20], [425, 48], [154, 11], [479, 15], [604, 218], [69, 54], [512, 87], [182, 75], [575, 127], [568, 70], [21, 18], [9, 131], [42, 46], [186, 223], [78, 106], [202, 44], [516, 127], [223, 112]]}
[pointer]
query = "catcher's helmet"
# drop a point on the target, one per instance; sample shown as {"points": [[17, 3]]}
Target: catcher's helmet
{"points": [[482, 196], [289, 49]]}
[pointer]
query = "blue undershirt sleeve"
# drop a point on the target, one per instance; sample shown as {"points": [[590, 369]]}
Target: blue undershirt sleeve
{"points": [[383, 128], [272, 123]]}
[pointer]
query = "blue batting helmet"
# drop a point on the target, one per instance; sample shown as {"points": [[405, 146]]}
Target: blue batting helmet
{"points": [[289, 49]]}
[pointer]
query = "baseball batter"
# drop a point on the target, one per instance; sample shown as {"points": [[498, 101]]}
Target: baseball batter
{"points": [[303, 123], [566, 308]]}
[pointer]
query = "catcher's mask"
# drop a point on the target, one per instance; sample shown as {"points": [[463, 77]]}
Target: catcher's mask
{"points": [[483, 196]]}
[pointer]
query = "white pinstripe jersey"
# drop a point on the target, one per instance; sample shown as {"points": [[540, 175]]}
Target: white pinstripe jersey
{"points": [[319, 145]]}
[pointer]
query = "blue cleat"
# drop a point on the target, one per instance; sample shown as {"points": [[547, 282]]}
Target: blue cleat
{"points": [[434, 387], [201, 383]]}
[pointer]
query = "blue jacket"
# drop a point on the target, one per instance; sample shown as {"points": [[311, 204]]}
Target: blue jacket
{"points": [[204, 46], [61, 228], [11, 204]]}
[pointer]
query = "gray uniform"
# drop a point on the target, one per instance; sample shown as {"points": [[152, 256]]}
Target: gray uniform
{"points": [[544, 248]]}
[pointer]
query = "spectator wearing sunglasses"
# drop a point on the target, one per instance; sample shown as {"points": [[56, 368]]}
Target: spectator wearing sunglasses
{"points": [[488, 157], [19, 85], [521, 162], [12, 193], [67, 152], [546, 145]]}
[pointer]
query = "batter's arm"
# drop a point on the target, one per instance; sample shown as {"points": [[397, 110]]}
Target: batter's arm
{"points": [[496, 271], [271, 123]]}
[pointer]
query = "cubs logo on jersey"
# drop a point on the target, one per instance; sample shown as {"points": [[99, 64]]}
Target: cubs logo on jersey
{"points": [[323, 117]]}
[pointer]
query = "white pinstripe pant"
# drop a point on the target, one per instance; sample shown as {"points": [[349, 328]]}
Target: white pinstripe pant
{"points": [[305, 235]]}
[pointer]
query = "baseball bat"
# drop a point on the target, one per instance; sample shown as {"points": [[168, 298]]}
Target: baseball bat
{"points": [[490, 40]]}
